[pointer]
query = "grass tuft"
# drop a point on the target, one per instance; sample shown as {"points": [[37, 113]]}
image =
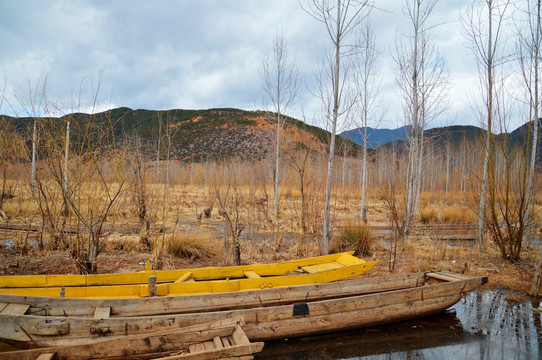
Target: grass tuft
{"points": [[357, 237], [192, 246], [428, 215]]}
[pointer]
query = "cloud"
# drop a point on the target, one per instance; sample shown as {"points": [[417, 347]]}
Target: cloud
{"points": [[194, 54]]}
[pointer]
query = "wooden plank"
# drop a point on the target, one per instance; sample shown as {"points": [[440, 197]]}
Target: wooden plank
{"points": [[2, 306], [192, 348], [226, 342], [46, 356], [183, 278], [239, 336], [200, 347], [14, 309], [314, 269], [102, 312], [218, 342], [442, 277], [209, 345], [251, 274]]}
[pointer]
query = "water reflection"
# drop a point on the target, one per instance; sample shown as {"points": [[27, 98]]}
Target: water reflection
{"points": [[486, 326]]}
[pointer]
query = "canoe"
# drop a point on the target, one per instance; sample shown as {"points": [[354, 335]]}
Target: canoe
{"points": [[189, 281], [432, 293], [223, 339], [161, 305]]}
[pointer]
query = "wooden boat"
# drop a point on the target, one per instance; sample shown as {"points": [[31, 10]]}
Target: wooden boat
{"points": [[432, 293], [192, 281], [161, 305], [218, 340]]}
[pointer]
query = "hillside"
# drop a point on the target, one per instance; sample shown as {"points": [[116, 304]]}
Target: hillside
{"points": [[195, 134]]}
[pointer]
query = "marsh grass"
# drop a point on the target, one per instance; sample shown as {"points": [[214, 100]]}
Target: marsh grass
{"points": [[191, 245], [357, 237]]}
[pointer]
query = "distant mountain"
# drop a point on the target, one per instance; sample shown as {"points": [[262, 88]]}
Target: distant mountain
{"points": [[196, 134], [375, 137]]}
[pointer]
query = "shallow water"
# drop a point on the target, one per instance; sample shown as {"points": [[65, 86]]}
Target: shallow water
{"points": [[485, 326]]}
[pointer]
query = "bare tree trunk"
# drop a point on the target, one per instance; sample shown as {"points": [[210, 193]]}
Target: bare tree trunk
{"points": [[34, 136], [363, 212]]}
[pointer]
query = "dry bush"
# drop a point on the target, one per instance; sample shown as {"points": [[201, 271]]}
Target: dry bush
{"points": [[457, 215], [358, 238], [131, 243], [428, 215], [191, 245]]}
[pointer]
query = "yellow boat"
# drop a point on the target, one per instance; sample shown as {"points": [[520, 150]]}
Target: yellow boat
{"points": [[307, 271]]}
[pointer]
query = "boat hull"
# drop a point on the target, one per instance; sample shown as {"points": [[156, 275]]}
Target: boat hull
{"points": [[261, 323], [163, 305]]}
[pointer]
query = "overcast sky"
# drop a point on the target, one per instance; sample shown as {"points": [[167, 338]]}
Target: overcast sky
{"points": [[196, 54]]}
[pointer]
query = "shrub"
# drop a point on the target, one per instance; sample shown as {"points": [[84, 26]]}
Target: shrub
{"points": [[193, 246], [357, 237], [428, 215], [456, 215]]}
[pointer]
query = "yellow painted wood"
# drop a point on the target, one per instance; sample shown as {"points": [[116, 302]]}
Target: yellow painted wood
{"points": [[15, 309], [347, 259], [184, 277], [251, 274], [200, 287], [209, 273], [314, 269]]}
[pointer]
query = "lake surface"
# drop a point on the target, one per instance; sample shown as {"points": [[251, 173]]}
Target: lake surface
{"points": [[484, 325]]}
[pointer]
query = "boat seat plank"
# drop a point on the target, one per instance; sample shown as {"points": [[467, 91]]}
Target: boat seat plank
{"points": [[183, 278], [218, 342], [209, 345], [192, 348], [313, 269], [239, 336], [14, 309], [199, 347], [347, 260], [226, 341], [251, 274], [441, 277], [102, 312], [46, 356]]}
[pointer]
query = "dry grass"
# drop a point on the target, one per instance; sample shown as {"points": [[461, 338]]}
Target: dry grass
{"points": [[199, 244], [192, 245]]}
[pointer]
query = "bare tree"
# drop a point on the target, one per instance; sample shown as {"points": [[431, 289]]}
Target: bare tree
{"points": [[340, 19], [483, 29], [422, 78], [367, 81], [280, 82]]}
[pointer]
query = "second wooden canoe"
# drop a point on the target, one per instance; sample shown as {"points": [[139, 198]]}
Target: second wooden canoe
{"points": [[195, 281]]}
